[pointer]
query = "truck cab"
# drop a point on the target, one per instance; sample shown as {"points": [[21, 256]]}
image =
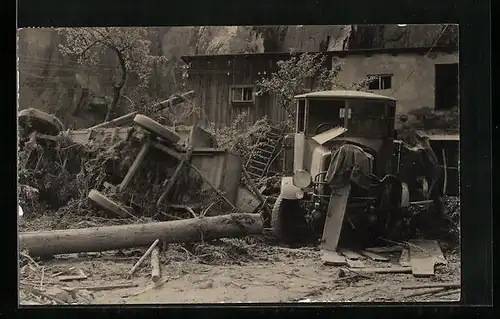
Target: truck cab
{"points": [[328, 123], [327, 119]]}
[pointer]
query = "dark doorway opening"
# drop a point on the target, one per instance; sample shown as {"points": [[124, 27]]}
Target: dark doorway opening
{"points": [[446, 86]]}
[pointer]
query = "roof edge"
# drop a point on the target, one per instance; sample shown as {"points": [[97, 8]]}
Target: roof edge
{"points": [[421, 50]]}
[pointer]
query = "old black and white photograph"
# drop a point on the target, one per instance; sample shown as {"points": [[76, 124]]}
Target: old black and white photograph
{"points": [[238, 164]]}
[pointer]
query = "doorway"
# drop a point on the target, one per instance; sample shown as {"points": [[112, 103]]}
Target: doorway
{"points": [[446, 86]]}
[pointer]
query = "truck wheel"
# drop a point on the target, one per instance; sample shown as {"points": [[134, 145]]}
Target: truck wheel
{"points": [[156, 128], [287, 220]]}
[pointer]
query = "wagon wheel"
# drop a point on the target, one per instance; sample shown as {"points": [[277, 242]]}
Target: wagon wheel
{"points": [[156, 128], [35, 120], [107, 204]]}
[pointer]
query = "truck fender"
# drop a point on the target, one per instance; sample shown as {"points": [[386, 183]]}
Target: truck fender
{"points": [[288, 190], [405, 195]]}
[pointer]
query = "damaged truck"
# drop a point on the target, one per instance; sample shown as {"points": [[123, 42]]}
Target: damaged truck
{"points": [[345, 171]]}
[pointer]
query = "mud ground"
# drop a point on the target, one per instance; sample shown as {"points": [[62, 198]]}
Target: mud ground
{"points": [[234, 271]]}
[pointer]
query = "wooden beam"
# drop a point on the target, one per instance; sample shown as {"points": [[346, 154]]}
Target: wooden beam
{"points": [[173, 100], [434, 285], [445, 178], [374, 256], [335, 217], [122, 120], [256, 192], [332, 258], [168, 150], [139, 159], [424, 255], [173, 179], [385, 270]]}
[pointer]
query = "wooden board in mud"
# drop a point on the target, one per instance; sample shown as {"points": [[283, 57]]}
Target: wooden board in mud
{"points": [[335, 217]]}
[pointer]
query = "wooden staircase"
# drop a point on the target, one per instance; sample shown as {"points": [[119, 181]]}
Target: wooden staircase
{"points": [[262, 156]]}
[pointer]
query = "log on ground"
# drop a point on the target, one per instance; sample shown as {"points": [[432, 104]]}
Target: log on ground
{"points": [[138, 235]]}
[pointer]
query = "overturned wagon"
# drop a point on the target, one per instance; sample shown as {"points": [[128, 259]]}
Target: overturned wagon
{"points": [[190, 147]]}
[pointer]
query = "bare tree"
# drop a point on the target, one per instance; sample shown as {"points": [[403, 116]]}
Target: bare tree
{"points": [[129, 45]]}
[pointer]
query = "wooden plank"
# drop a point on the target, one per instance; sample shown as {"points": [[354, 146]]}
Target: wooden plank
{"points": [[335, 218], [355, 263], [404, 260], [122, 120], [431, 247], [385, 249], [434, 285], [445, 171], [173, 179], [353, 258], [349, 254], [385, 270], [168, 150], [173, 100], [139, 159], [424, 254], [71, 278], [374, 256], [332, 258], [256, 192]]}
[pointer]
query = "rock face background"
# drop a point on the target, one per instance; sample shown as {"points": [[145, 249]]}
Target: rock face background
{"points": [[79, 95]]}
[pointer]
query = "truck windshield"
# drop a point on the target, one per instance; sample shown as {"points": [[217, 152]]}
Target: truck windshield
{"points": [[368, 118], [324, 115]]}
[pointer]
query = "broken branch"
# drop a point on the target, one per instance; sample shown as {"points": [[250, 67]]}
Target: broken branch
{"points": [[423, 293], [436, 285], [146, 254]]}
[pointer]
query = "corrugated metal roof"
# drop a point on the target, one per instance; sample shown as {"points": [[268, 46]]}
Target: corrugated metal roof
{"points": [[344, 94]]}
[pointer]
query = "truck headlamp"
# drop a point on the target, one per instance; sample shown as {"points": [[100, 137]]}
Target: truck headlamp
{"points": [[299, 194], [302, 179]]}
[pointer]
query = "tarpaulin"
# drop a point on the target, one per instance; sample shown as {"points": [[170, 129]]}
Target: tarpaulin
{"points": [[349, 163]]}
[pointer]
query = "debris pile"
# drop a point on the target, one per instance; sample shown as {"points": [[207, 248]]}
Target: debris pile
{"points": [[42, 285]]}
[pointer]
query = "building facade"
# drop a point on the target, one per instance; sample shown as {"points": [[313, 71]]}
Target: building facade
{"points": [[417, 77]]}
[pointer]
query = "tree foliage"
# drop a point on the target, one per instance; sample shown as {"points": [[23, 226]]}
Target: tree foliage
{"points": [[428, 119], [305, 73], [240, 138], [130, 46]]}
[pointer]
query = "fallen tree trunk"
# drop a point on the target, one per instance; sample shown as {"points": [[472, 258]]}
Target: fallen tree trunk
{"points": [[138, 235]]}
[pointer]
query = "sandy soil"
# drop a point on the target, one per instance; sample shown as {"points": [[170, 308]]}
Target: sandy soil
{"points": [[236, 271]]}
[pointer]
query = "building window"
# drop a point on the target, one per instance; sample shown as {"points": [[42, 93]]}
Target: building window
{"points": [[242, 94], [380, 82]]}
